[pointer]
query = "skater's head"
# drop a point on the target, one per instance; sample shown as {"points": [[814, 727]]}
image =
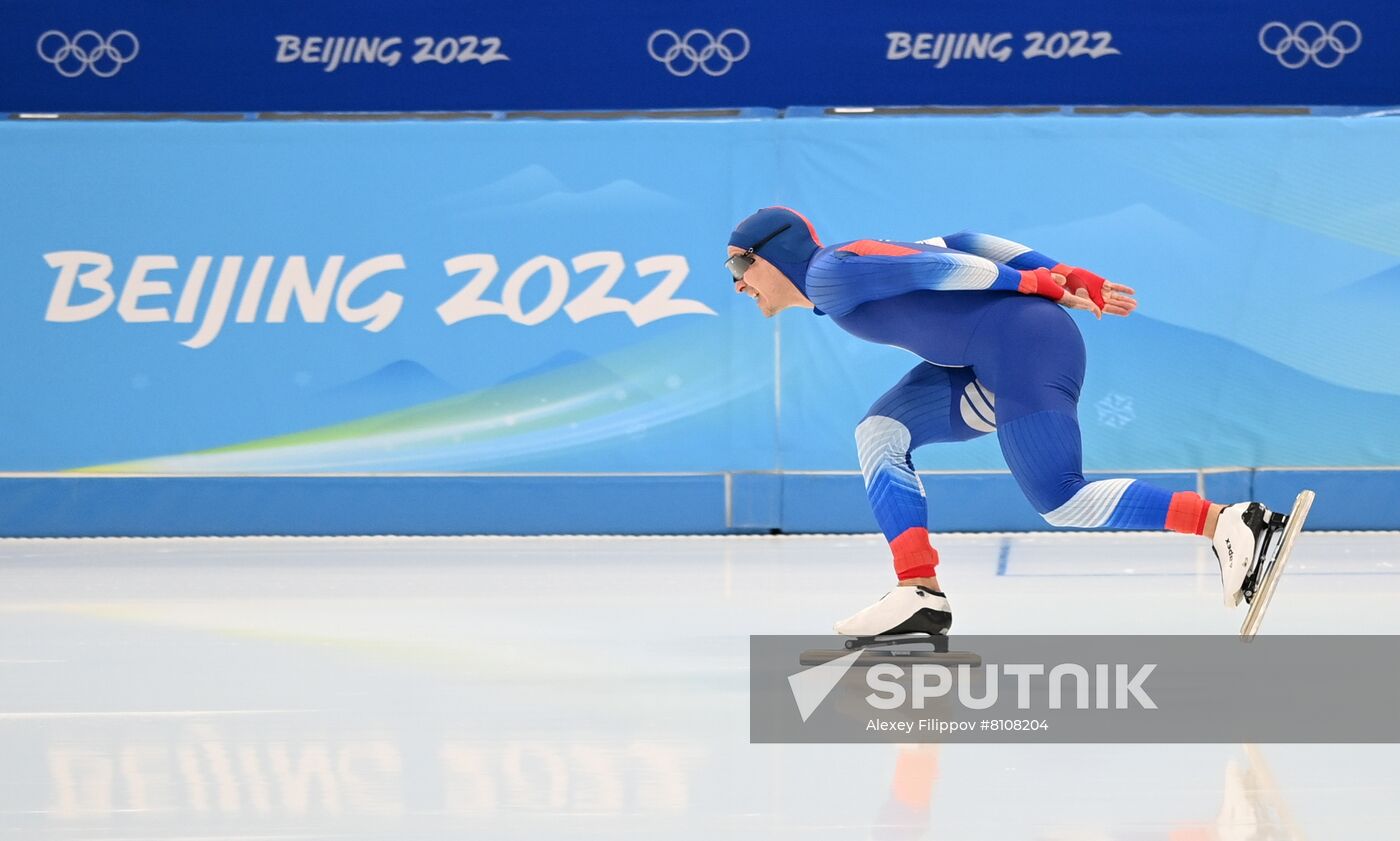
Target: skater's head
{"points": [[768, 257]]}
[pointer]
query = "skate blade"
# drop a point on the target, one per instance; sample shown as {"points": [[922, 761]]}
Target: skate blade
{"points": [[899, 657], [939, 641], [1264, 593]]}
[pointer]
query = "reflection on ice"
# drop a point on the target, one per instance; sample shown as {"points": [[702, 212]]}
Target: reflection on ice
{"points": [[203, 770]]}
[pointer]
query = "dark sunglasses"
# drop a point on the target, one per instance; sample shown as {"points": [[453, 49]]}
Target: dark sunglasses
{"points": [[740, 263]]}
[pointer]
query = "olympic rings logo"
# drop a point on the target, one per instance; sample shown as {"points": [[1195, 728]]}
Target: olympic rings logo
{"points": [[87, 50], [698, 49], [1310, 41]]}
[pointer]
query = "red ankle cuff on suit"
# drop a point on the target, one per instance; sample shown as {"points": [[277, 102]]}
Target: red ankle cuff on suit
{"points": [[914, 556]]}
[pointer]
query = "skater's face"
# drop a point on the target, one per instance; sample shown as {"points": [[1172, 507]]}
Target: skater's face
{"points": [[769, 288]]}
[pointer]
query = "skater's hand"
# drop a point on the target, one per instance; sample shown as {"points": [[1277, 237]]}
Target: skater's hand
{"points": [[1042, 282], [1107, 296], [1079, 302]]}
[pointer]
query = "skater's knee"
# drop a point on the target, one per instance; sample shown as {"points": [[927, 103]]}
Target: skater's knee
{"points": [[881, 441]]}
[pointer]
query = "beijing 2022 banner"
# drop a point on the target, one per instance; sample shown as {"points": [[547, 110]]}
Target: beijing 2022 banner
{"points": [[270, 297], [431, 55]]}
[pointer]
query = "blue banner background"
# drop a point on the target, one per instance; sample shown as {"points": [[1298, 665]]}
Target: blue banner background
{"points": [[1265, 254], [223, 56]]}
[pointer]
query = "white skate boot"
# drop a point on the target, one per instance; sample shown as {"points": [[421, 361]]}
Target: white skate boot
{"points": [[1252, 544], [903, 610], [1241, 540]]}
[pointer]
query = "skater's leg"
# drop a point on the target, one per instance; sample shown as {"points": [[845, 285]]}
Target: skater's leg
{"points": [[931, 403], [1033, 358], [1044, 454], [1039, 434]]}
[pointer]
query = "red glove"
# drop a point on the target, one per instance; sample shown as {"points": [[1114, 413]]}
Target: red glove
{"points": [[1039, 282], [1082, 281]]}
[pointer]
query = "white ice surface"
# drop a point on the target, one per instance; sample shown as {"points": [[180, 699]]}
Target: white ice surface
{"points": [[597, 687]]}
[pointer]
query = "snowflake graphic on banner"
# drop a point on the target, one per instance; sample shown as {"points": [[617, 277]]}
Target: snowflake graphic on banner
{"points": [[1116, 410]]}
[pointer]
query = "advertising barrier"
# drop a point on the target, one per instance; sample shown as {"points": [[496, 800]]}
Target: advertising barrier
{"points": [[547, 300]]}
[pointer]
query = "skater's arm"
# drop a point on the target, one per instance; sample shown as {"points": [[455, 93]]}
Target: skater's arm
{"points": [[996, 248], [850, 274], [847, 275], [1107, 296], [878, 265]]}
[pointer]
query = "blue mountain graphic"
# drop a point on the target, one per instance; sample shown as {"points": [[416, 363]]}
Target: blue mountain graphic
{"points": [[398, 385], [1209, 401], [1383, 287], [584, 365]]}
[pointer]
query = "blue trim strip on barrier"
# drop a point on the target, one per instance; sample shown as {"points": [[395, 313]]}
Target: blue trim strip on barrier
{"points": [[64, 506], [228, 506]]}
